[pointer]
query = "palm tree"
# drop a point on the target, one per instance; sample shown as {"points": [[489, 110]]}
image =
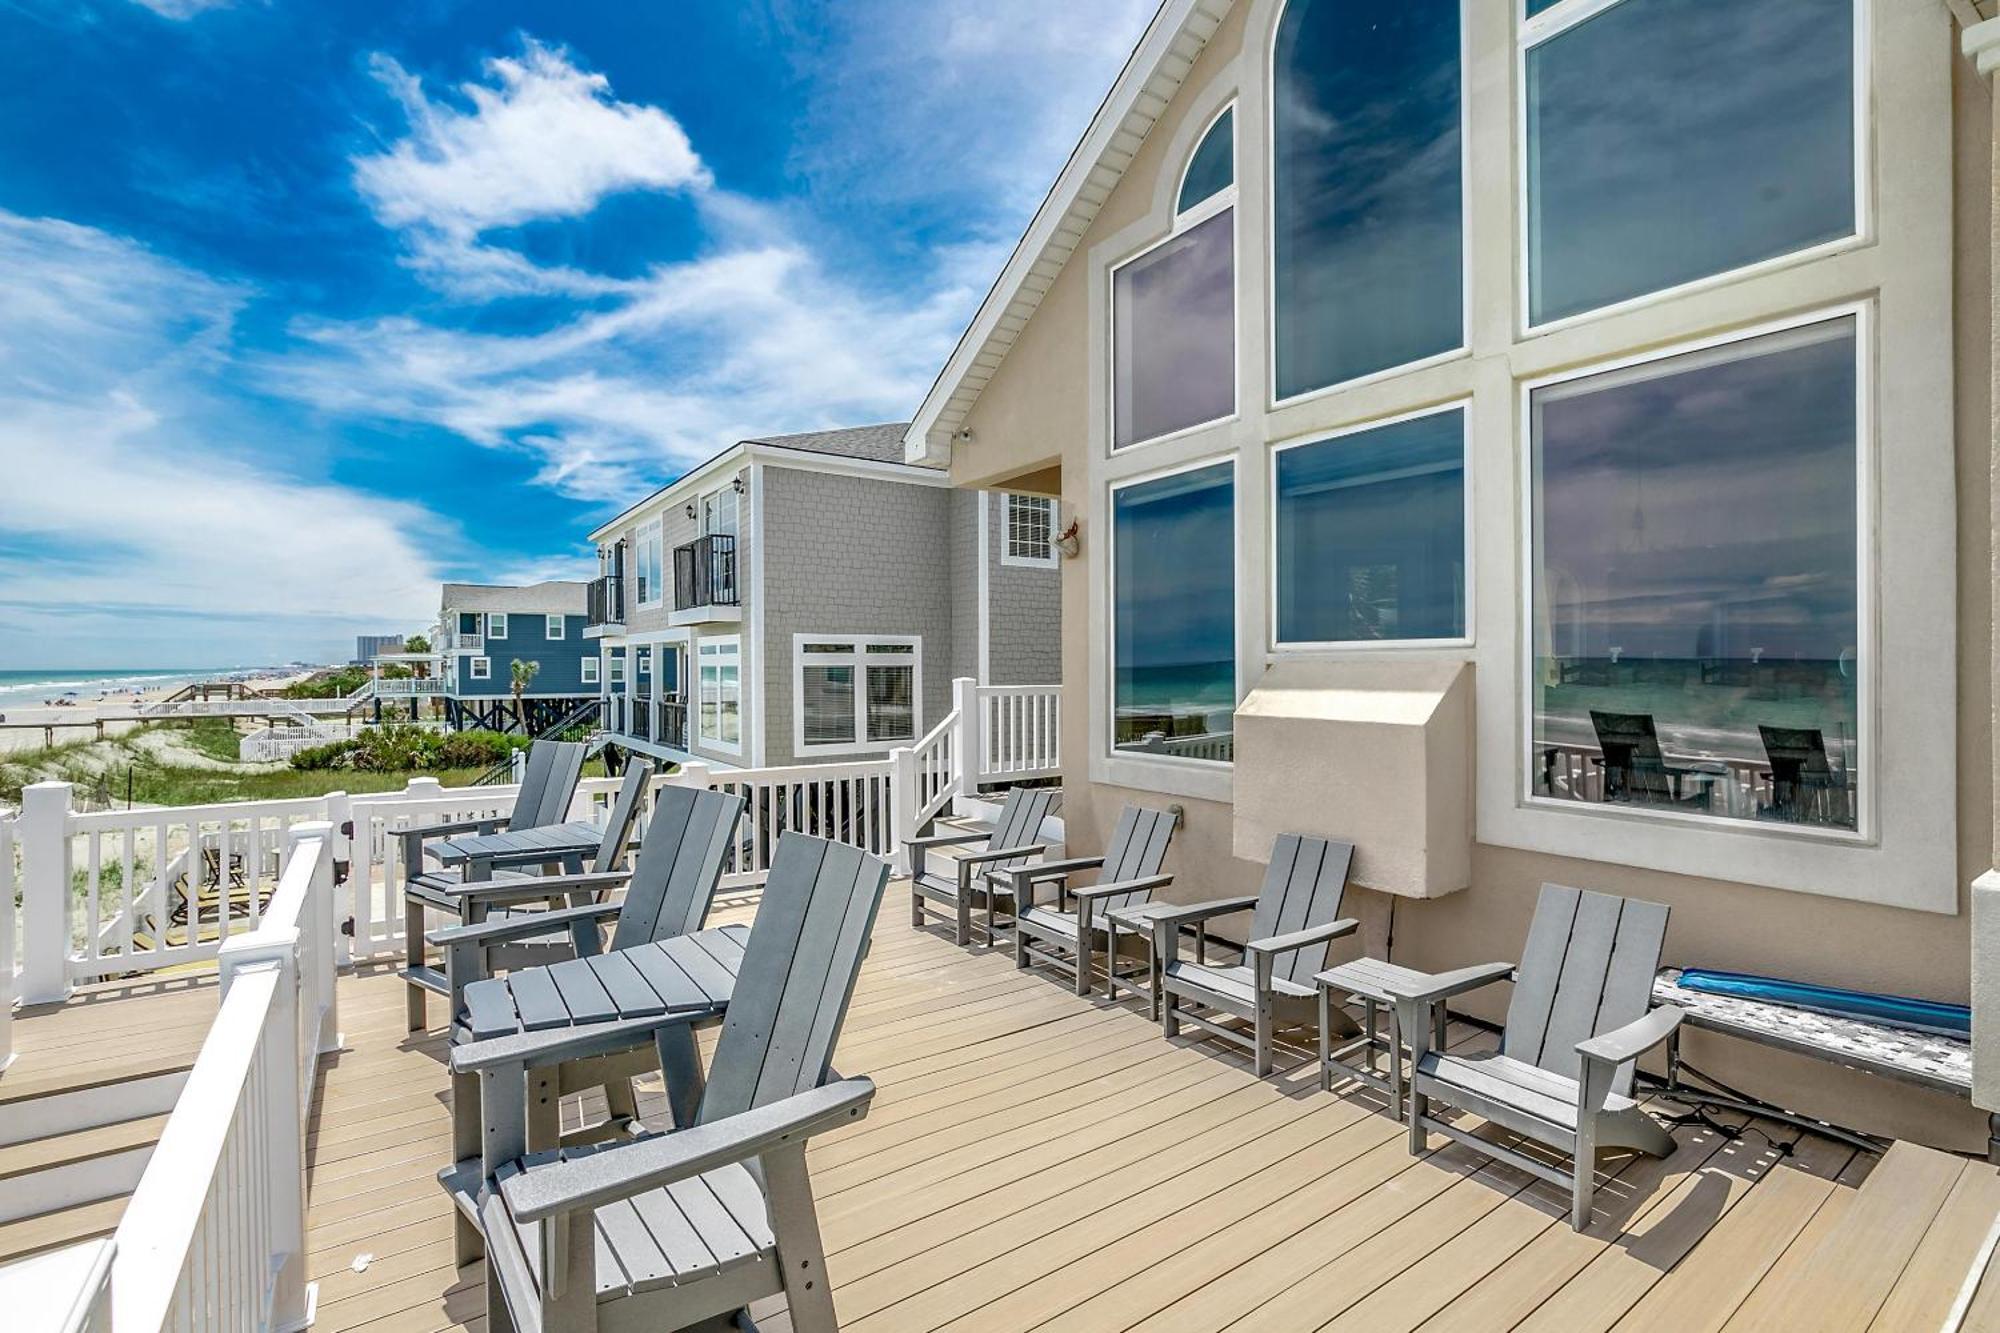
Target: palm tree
{"points": [[520, 676]]}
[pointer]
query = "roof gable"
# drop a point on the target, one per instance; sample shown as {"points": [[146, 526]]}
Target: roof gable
{"points": [[1141, 94]]}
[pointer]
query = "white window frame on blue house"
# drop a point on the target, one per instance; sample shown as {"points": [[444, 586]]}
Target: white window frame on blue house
{"points": [[589, 669], [481, 668], [552, 626], [496, 624]]}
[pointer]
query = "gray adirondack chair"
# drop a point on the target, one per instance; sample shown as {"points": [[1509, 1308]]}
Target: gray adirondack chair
{"points": [[1294, 916], [681, 1229], [668, 890], [979, 877], [515, 885], [1576, 1025], [1127, 874]]}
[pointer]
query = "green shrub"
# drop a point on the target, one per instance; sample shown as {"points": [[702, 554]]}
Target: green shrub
{"points": [[322, 757]]}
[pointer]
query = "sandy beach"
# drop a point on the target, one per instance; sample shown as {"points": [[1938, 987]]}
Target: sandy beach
{"points": [[26, 728]]}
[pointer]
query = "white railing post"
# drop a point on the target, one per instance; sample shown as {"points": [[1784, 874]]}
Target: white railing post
{"points": [[968, 745], [46, 906], [6, 943], [340, 814], [903, 797], [424, 789], [319, 960], [699, 776], [283, 1176]]}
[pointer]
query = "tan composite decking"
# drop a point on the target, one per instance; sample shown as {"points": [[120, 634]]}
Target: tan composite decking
{"points": [[1032, 1157]]}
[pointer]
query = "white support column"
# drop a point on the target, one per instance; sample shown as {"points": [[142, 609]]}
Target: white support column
{"points": [[968, 742], [46, 901], [284, 1175], [352, 880], [319, 928], [6, 944]]}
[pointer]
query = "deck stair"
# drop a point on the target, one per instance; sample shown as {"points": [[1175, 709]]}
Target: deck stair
{"points": [[1893, 1254], [73, 1144]]}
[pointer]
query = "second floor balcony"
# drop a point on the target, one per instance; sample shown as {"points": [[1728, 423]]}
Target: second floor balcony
{"points": [[705, 581], [605, 603]]}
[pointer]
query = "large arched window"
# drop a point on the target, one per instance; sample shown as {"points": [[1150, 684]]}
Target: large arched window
{"points": [[1173, 308], [1367, 211]]}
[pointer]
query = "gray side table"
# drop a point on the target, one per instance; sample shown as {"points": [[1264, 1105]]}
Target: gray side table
{"points": [[1366, 981]]}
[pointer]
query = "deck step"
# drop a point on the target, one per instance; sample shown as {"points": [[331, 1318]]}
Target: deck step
{"points": [[1841, 1280], [78, 1146], [63, 1226], [59, 1102]]}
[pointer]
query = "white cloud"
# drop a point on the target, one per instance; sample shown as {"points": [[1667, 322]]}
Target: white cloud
{"points": [[181, 9], [123, 489], [543, 139]]}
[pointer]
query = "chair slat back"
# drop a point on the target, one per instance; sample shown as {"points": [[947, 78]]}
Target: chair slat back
{"points": [[797, 977], [1587, 969], [679, 865], [1303, 886], [618, 823], [1138, 848], [534, 783], [548, 803], [1020, 822]]}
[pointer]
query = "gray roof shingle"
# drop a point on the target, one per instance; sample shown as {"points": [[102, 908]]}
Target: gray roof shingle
{"points": [[881, 444], [557, 596]]}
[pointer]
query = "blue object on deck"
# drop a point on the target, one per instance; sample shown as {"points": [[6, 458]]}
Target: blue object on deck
{"points": [[1951, 1020]]}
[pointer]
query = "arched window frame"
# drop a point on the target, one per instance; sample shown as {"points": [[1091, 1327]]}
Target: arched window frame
{"points": [[1182, 221]]}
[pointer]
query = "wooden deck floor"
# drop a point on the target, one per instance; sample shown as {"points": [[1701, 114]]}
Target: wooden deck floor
{"points": [[1035, 1159]]}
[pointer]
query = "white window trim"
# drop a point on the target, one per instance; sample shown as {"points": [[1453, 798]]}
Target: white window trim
{"points": [[701, 506], [1555, 21], [1372, 647], [1007, 556], [553, 626], [481, 668], [860, 644], [592, 675], [1866, 576], [1179, 223], [702, 738], [1266, 261], [652, 531], [1170, 769], [1187, 162], [496, 624]]}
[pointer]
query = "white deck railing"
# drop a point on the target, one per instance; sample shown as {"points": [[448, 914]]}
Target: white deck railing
{"points": [[9, 986], [851, 803], [214, 1235], [1020, 732]]}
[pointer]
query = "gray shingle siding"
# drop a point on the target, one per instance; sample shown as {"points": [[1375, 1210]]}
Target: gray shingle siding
{"points": [[851, 555], [1024, 630]]}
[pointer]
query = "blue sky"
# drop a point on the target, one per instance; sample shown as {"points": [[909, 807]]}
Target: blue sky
{"points": [[305, 307]]}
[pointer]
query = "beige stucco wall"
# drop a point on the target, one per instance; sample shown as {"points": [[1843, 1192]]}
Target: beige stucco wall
{"points": [[1036, 411]]}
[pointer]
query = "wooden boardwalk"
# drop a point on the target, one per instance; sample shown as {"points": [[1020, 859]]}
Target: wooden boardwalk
{"points": [[1034, 1159]]}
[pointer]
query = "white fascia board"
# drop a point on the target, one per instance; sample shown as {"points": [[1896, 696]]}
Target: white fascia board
{"points": [[807, 460], [1099, 160], [675, 492]]}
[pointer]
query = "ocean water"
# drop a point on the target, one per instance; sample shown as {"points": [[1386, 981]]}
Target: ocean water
{"points": [[34, 686]]}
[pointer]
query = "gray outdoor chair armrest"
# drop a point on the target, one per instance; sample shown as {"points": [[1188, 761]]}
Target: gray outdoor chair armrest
{"points": [[1300, 939], [547, 1046], [512, 859], [620, 1172], [1146, 882], [1635, 1038], [1176, 916], [1001, 853], [1069, 865], [453, 828], [520, 927], [1444, 985], [942, 840], [542, 886]]}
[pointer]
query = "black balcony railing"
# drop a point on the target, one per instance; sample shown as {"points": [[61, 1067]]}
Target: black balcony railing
{"points": [[705, 572], [606, 602]]}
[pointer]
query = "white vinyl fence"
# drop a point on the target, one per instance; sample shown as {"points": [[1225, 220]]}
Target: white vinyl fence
{"points": [[214, 1235], [9, 985], [122, 893]]}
